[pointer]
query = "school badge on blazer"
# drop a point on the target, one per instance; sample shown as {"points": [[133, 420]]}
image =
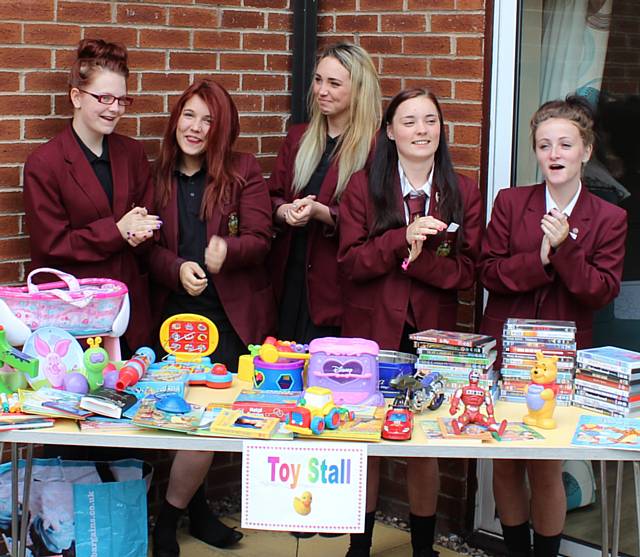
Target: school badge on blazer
{"points": [[444, 249], [233, 224]]}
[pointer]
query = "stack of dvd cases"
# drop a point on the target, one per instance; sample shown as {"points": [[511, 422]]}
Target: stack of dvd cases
{"points": [[608, 381], [521, 340], [454, 356]]}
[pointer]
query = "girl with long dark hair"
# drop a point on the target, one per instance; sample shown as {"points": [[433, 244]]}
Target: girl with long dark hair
{"points": [[410, 235]]}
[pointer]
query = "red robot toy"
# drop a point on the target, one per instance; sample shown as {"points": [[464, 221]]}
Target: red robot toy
{"points": [[473, 397]]}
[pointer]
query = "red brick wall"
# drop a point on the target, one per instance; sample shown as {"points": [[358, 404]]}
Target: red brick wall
{"points": [[244, 44]]}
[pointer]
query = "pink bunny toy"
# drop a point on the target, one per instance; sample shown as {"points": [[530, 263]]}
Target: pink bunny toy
{"points": [[54, 368]]}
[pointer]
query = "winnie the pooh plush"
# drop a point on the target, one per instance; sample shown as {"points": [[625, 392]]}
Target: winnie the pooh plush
{"points": [[541, 392]]}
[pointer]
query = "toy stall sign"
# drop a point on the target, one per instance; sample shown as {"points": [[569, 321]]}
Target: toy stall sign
{"points": [[304, 487]]}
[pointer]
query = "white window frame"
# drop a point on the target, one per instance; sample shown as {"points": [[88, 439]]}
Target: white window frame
{"points": [[501, 114]]}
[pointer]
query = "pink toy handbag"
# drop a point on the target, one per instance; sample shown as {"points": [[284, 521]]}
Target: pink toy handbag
{"points": [[79, 306]]}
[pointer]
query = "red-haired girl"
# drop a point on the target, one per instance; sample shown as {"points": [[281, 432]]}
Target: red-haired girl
{"points": [[210, 261], [87, 192]]}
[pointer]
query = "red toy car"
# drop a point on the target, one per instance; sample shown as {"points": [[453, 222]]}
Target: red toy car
{"points": [[398, 424]]}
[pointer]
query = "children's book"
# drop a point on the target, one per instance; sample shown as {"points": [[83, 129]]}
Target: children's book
{"points": [[23, 421], [430, 429], [608, 432], [434, 434], [360, 429], [364, 412], [108, 402], [470, 431], [150, 416], [211, 412], [104, 424], [276, 404], [237, 423], [517, 431], [53, 403], [70, 410]]}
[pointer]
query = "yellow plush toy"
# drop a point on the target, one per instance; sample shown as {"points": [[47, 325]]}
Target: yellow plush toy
{"points": [[541, 392]]}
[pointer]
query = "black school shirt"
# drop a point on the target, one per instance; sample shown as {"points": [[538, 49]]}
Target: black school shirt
{"points": [[101, 165], [294, 319], [192, 242]]}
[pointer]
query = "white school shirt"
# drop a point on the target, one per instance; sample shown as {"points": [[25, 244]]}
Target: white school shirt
{"points": [[551, 204], [408, 189]]}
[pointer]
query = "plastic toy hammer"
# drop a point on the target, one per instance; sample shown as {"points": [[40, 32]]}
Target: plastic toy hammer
{"points": [[269, 352]]}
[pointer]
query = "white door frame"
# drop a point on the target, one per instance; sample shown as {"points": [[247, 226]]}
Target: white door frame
{"points": [[503, 81], [501, 116]]}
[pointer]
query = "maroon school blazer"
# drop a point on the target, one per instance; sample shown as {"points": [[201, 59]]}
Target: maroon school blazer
{"points": [[73, 228], [583, 276], [323, 284], [243, 283], [378, 292]]}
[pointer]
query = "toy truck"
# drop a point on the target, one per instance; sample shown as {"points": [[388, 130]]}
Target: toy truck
{"points": [[317, 411]]}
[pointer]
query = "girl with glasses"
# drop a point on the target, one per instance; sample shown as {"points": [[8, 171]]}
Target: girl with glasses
{"points": [[87, 192], [209, 261]]}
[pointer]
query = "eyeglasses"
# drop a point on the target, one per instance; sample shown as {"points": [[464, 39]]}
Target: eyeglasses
{"points": [[110, 99]]}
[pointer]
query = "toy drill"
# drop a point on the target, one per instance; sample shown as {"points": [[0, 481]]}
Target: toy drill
{"points": [[135, 368]]}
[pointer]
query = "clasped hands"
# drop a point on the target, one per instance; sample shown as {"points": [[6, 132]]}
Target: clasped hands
{"points": [[299, 212], [138, 225], [418, 231], [555, 226], [192, 277]]}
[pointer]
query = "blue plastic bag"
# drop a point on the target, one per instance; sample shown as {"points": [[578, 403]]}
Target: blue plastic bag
{"points": [[65, 520], [111, 519]]}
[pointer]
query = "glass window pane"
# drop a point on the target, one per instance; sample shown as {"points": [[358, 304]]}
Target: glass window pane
{"points": [[591, 47]]}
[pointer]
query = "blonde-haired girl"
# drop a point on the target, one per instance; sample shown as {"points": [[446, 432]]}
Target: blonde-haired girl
{"points": [[311, 172]]}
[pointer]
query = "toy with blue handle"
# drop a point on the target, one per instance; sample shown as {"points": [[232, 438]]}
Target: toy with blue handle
{"points": [[133, 369]]}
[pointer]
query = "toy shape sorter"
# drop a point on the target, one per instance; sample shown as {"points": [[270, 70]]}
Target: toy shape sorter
{"points": [[347, 366], [278, 365], [283, 375]]}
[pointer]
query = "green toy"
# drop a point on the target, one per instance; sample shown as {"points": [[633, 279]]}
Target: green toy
{"points": [[15, 359], [95, 360]]}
